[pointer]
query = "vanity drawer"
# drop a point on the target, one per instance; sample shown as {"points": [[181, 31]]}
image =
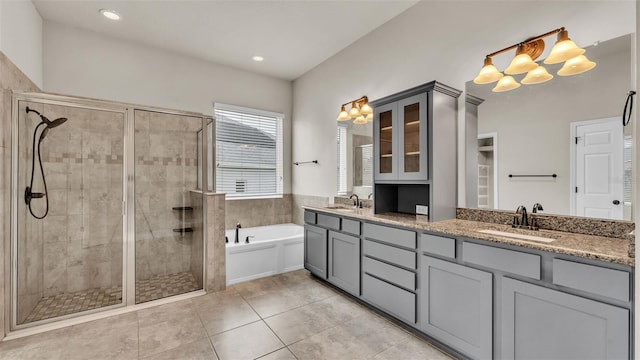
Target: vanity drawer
{"points": [[391, 254], [438, 245], [351, 226], [400, 277], [329, 221], [309, 217], [594, 279], [390, 235], [510, 261], [397, 301]]}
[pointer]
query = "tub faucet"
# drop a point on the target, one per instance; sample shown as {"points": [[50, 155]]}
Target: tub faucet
{"points": [[536, 207], [238, 226], [357, 202], [369, 196]]}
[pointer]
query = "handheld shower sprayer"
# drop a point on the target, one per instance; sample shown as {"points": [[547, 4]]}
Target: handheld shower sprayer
{"points": [[29, 194]]}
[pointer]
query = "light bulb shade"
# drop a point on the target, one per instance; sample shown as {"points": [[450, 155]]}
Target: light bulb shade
{"points": [[488, 74], [537, 76], [563, 50], [577, 65], [360, 120], [366, 109], [505, 84], [369, 117], [520, 64], [343, 116], [354, 111]]}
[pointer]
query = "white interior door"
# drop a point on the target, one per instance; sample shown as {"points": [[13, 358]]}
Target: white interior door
{"points": [[599, 168]]}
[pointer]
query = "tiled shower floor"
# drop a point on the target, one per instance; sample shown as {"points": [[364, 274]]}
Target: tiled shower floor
{"points": [[146, 290]]}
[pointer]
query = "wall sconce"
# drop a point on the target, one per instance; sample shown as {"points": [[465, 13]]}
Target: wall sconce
{"points": [[527, 51], [360, 111]]}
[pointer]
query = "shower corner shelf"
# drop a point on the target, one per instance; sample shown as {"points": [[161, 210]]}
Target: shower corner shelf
{"points": [[182, 208], [183, 230]]}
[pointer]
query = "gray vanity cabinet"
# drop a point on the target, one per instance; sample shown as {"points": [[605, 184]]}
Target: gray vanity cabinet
{"points": [[344, 262], [456, 306], [315, 250], [543, 323]]}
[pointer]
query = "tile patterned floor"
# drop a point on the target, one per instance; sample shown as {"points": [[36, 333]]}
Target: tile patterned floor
{"points": [[146, 290], [287, 316], [164, 286]]}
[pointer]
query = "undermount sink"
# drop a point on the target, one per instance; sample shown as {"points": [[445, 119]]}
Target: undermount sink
{"points": [[343, 208], [517, 236]]}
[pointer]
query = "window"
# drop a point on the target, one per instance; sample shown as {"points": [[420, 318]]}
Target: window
{"points": [[248, 152], [342, 161], [628, 178]]}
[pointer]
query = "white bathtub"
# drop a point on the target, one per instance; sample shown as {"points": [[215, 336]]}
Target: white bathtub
{"points": [[274, 249]]}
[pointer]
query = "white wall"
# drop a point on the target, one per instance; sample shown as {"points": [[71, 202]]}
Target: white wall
{"points": [[21, 37], [82, 63], [434, 40]]}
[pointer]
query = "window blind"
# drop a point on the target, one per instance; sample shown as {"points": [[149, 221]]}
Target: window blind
{"points": [[342, 161], [367, 165], [627, 176], [248, 152]]}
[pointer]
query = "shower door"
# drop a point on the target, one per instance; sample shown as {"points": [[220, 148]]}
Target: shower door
{"points": [[168, 208], [67, 209]]}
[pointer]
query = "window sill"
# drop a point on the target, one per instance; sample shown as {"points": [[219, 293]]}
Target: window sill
{"points": [[255, 197]]}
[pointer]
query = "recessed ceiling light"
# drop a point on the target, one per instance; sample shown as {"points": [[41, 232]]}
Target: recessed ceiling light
{"points": [[110, 14], [257, 58]]}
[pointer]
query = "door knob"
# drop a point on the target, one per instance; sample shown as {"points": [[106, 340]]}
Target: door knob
{"points": [[616, 202]]}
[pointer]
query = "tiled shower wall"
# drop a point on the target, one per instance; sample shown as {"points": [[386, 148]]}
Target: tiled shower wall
{"points": [[11, 78], [166, 153], [79, 245]]}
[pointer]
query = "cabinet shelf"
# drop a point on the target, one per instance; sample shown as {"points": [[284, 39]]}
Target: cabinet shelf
{"points": [[412, 123], [386, 155], [412, 153], [386, 128], [488, 148]]}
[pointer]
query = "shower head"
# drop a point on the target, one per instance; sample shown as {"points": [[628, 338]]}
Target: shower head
{"points": [[49, 123], [55, 123]]}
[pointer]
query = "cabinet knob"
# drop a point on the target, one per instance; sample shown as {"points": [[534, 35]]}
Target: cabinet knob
{"points": [[616, 202]]}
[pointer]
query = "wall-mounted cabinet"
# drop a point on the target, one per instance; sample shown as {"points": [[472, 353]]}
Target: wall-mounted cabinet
{"points": [[415, 151], [402, 141]]}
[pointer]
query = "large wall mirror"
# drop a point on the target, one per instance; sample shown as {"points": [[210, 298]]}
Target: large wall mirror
{"points": [[355, 159], [527, 135]]}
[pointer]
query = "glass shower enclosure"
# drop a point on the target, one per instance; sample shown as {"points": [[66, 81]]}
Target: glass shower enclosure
{"points": [[105, 210]]}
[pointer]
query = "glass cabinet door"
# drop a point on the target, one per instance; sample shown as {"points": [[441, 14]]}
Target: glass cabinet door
{"points": [[413, 138], [387, 167]]}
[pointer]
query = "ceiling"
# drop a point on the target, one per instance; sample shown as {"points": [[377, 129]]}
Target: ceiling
{"points": [[292, 36]]}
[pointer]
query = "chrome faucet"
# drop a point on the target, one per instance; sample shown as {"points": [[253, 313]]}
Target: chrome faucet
{"points": [[369, 196], [238, 226], [524, 220], [536, 207], [357, 202]]}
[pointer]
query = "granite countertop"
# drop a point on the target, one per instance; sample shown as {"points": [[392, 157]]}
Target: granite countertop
{"points": [[614, 250]]}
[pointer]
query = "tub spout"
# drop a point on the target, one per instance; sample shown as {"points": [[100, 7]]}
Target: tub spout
{"points": [[238, 226], [246, 240]]}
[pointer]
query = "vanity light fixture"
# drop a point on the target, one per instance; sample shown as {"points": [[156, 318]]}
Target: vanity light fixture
{"points": [[110, 14], [527, 51], [361, 112]]}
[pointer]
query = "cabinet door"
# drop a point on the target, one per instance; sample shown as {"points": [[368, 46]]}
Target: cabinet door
{"points": [[412, 152], [456, 305], [384, 128], [344, 262], [315, 250], [541, 323]]}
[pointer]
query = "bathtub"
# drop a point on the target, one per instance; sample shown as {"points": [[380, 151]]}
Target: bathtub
{"points": [[274, 249]]}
